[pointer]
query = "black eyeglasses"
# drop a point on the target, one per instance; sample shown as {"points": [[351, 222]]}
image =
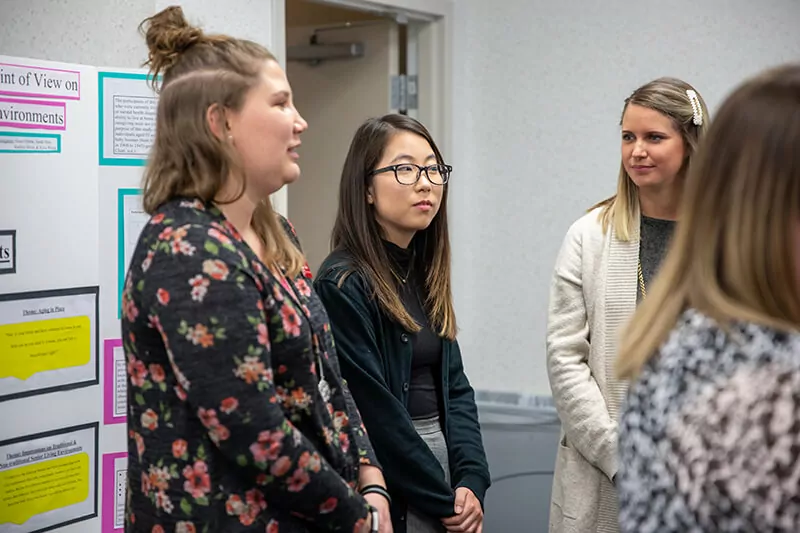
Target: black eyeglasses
{"points": [[409, 173]]}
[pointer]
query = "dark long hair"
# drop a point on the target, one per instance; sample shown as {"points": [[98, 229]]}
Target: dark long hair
{"points": [[357, 231]]}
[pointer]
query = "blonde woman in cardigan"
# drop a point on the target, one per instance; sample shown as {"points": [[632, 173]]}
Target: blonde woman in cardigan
{"points": [[606, 260], [708, 435]]}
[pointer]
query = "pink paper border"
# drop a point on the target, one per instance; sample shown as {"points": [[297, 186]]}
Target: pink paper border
{"points": [[108, 382], [109, 484], [36, 126], [12, 93]]}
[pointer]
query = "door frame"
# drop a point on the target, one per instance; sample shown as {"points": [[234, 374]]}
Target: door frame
{"points": [[435, 65]]}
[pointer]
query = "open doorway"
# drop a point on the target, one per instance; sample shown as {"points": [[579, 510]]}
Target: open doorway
{"points": [[345, 64]]}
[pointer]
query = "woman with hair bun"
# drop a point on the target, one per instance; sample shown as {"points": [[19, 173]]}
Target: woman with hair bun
{"points": [[239, 420]]}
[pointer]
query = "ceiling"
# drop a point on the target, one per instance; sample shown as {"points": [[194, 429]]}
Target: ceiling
{"points": [[306, 13]]}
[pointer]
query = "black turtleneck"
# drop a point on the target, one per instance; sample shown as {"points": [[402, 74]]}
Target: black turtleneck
{"points": [[424, 398]]}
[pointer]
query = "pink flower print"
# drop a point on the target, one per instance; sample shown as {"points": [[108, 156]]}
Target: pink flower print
{"points": [[298, 481], [300, 398], [281, 466], [185, 527], [255, 501], [219, 433], [157, 529], [268, 447], [179, 448], [148, 260], [229, 405], [193, 204], [234, 506], [136, 371], [328, 506], [166, 233], [304, 459], [163, 502], [344, 442], [208, 417], [157, 219], [199, 334], [232, 230], [162, 295], [310, 462], [157, 373], [291, 321], [306, 271], [199, 287], [180, 393], [158, 477], [215, 233], [263, 335], [128, 307], [340, 420], [147, 488], [252, 370], [198, 482], [150, 420], [215, 269], [276, 293], [216, 431], [303, 288], [139, 444], [272, 526]]}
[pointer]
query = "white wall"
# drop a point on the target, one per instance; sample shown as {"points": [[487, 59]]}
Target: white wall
{"points": [[335, 97], [102, 33], [538, 89]]}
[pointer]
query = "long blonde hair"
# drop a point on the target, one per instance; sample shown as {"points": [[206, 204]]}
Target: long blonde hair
{"points": [[198, 70], [668, 96], [733, 255]]}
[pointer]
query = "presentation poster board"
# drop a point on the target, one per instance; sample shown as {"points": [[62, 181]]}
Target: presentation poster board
{"points": [[49, 480], [115, 477], [48, 341], [127, 117], [115, 382], [48, 111], [131, 218]]}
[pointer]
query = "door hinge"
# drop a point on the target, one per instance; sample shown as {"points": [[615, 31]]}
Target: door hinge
{"points": [[404, 92]]}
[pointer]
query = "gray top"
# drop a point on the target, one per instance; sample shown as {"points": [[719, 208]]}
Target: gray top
{"points": [[655, 236]]}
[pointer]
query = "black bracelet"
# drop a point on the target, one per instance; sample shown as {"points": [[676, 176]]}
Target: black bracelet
{"points": [[376, 489]]}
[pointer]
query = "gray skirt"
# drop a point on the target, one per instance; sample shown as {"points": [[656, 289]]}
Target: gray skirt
{"points": [[431, 432]]}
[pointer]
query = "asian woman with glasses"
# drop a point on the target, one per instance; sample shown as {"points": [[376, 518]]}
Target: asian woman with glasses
{"points": [[386, 287]]}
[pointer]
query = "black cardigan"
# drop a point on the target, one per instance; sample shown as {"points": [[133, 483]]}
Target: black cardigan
{"points": [[375, 357]]}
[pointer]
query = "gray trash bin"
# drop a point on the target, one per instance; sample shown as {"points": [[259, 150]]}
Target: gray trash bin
{"points": [[520, 434]]}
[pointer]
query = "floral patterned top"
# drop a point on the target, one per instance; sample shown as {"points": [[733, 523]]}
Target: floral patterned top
{"points": [[710, 436], [227, 428]]}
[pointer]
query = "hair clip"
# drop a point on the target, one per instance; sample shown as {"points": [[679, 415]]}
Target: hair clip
{"points": [[697, 109]]}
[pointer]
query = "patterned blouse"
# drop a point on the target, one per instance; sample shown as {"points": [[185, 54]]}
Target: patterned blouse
{"points": [[228, 430], [710, 438]]}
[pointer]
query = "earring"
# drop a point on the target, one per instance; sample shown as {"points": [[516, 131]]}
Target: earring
{"points": [[230, 138]]}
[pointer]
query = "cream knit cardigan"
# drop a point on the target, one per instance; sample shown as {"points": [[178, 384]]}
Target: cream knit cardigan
{"points": [[593, 293]]}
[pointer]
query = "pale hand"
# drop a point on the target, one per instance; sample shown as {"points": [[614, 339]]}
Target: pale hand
{"points": [[382, 505], [367, 525], [469, 514]]}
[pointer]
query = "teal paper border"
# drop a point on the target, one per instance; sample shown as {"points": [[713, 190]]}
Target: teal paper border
{"points": [[55, 136], [114, 161], [121, 194]]}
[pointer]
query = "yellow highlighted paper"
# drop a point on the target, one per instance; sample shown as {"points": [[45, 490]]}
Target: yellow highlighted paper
{"points": [[34, 489], [32, 347]]}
